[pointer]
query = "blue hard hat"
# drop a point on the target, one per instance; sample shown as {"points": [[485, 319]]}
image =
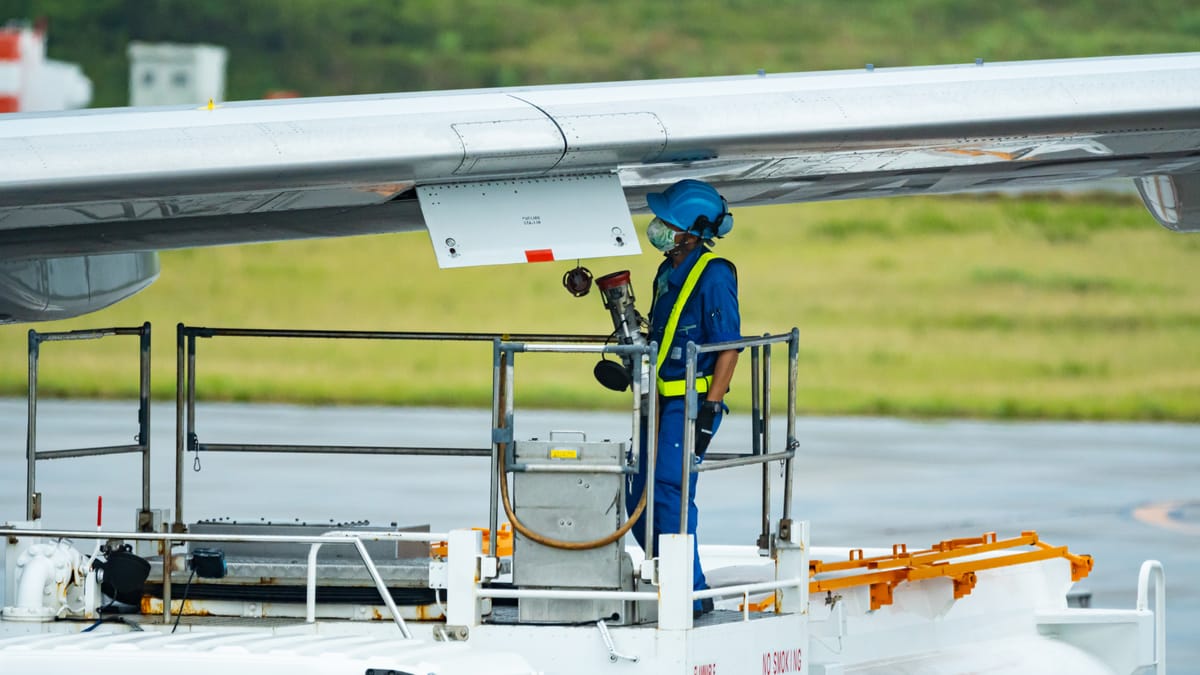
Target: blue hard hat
{"points": [[693, 206]]}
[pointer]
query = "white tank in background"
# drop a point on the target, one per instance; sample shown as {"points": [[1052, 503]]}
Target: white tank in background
{"points": [[175, 74], [30, 82]]}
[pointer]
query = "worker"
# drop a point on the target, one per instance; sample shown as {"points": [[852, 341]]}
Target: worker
{"points": [[695, 300]]}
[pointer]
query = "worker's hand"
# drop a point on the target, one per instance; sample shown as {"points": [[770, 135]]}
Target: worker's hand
{"points": [[707, 420]]}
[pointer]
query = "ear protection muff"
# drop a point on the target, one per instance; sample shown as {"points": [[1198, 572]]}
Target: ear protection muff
{"points": [[714, 229]]}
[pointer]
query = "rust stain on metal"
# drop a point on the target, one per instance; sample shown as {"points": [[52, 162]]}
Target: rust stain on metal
{"points": [[428, 613], [151, 605], [190, 609]]}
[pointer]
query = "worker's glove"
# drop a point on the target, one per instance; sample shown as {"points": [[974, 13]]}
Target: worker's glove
{"points": [[707, 420]]}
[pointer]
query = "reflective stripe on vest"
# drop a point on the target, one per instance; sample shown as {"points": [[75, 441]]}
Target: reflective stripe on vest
{"points": [[679, 387]]}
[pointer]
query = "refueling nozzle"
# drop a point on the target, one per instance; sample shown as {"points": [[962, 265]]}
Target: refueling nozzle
{"points": [[617, 293]]}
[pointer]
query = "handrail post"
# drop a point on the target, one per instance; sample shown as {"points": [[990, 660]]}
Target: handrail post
{"points": [[310, 589], [793, 365], [144, 518], [166, 582], [756, 444], [31, 513], [640, 413], [755, 403], [499, 361], [180, 378], [764, 544], [651, 448], [33, 501], [1154, 568], [383, 589], [690, 405], [190, 400]]}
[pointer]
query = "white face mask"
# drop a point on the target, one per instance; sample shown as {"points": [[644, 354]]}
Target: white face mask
{"points": [[661, 235]]}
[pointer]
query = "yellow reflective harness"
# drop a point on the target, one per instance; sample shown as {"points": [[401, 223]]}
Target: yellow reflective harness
{"points": [[679, 387]]}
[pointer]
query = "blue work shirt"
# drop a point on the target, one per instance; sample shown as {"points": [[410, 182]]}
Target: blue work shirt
{"points": [[710, 315]]}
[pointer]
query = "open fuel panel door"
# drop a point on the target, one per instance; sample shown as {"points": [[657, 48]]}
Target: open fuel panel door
{"points": [[528, 220]]}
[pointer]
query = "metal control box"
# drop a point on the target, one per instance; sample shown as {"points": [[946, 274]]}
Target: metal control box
{"points": [[570, 490]]}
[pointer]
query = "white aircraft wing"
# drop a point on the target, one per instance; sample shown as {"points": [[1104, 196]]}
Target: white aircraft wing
{"points": [[541, 173]]}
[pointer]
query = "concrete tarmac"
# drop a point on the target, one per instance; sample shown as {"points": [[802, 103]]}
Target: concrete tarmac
{"points": [[1123, 493]]}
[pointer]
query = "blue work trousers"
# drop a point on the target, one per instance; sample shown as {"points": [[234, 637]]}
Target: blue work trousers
{"points": [[668, 475]]}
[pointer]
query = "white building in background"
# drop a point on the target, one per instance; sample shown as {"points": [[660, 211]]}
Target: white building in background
{"points": [[31, 82], [175, 74]]}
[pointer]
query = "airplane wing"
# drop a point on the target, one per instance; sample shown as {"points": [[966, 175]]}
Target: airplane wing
{"points": [[552, 172]]}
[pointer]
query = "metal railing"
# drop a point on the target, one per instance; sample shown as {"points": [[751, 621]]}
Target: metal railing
{"points": [[315, 542], [142, 445], [760, 386], [503, 378], [1153, 570], [760, 453], [505, 346], [187, 440]]}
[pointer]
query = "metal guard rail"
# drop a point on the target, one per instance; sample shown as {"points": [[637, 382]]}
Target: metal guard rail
{"points": [[1153, 570], [356, 539], [503, 376], [760, 392], [315, 541], [142, 444], [187, 440]]}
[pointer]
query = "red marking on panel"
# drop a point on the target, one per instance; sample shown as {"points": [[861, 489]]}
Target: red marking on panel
{"points": [[539, 255], [706, 669], [9, 104], [781, 661], [10, 46]]}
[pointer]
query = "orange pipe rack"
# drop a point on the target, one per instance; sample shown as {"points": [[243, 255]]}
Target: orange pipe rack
{"points": [[943, 559]]}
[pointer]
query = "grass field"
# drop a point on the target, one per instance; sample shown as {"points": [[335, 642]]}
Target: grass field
{"points": [[1077, 308]]}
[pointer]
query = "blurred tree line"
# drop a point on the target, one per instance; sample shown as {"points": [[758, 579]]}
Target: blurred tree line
{"points": [[324, 47]]}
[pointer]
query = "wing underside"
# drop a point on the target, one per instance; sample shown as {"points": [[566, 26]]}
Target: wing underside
{"points": [[134, 180]]}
